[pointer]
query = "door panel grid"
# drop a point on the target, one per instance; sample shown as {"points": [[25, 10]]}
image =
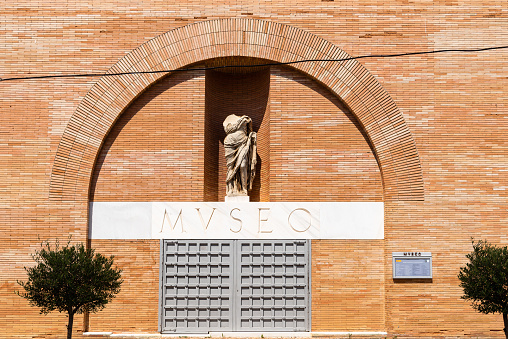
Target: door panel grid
{"points": [[273, 287], [197, 286], [235, 285]]}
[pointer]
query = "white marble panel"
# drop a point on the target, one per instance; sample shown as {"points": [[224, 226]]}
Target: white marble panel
{"points": [[352, 220], [120, 220], [237, 220]]}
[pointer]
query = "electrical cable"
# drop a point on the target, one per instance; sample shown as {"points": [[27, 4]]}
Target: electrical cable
{"points": [[257, 65]]}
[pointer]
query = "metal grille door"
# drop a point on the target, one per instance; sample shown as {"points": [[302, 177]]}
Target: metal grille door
{"points": [[273, 285], [235, 285], [197, 286]]}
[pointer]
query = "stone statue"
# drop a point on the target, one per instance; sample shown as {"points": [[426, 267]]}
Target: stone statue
{"points": [[240, 146]]}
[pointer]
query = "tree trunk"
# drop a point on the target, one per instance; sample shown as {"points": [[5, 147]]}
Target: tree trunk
{"points": [[505, 321], [69, 325]]}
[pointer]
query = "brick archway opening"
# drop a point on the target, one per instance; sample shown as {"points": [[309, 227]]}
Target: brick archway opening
{"points": [[221, 40]]}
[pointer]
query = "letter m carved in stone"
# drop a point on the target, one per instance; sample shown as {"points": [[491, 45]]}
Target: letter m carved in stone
{"points": [[166, 219]]}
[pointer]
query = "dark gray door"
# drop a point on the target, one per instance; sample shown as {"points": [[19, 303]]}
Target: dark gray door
{"points": [[235, 285]]}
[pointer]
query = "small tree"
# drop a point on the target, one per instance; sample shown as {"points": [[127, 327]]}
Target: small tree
{"points": [[70, 279], [485, 279]]}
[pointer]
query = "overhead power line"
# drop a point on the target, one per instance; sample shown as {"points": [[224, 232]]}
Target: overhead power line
{"points": [[257, 65]]}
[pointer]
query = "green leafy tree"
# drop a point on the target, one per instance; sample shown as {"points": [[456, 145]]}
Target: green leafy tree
{"points": [[485, 279], [71, 279]]}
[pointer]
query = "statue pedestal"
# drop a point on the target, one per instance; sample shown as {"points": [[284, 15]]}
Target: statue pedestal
{"points": [[237, 198]]}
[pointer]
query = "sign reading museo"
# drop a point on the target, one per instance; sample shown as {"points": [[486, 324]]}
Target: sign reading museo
{"points": [[236, 220]]}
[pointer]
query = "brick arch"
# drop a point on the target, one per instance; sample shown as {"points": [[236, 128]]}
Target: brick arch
{"points": [[384, 124]]}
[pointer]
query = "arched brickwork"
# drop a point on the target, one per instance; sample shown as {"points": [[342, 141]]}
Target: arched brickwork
{"points": [[349, 80]]}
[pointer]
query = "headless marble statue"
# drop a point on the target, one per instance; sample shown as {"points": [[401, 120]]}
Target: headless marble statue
{"points": [[240, 148]]}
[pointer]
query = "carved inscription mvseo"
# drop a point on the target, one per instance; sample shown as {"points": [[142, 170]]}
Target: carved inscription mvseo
{"points": [[230, 220]]}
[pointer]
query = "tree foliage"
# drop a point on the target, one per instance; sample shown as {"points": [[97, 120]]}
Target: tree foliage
{"points": [[71, 279], [485, 278]]}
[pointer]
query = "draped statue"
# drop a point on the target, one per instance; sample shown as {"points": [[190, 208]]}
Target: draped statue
{"points": [[240, 148]]}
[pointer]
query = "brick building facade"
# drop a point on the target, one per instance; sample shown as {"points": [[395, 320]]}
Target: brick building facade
{"points": [[423, 134]]}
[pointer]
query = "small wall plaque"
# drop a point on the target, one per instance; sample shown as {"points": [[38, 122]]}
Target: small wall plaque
{"points": [[412, 265]]}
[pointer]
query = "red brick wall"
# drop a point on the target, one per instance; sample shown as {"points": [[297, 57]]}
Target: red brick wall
{"points": [[348, 285], [318, 151], [151, 154], [453, 104], [136, 307]]}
